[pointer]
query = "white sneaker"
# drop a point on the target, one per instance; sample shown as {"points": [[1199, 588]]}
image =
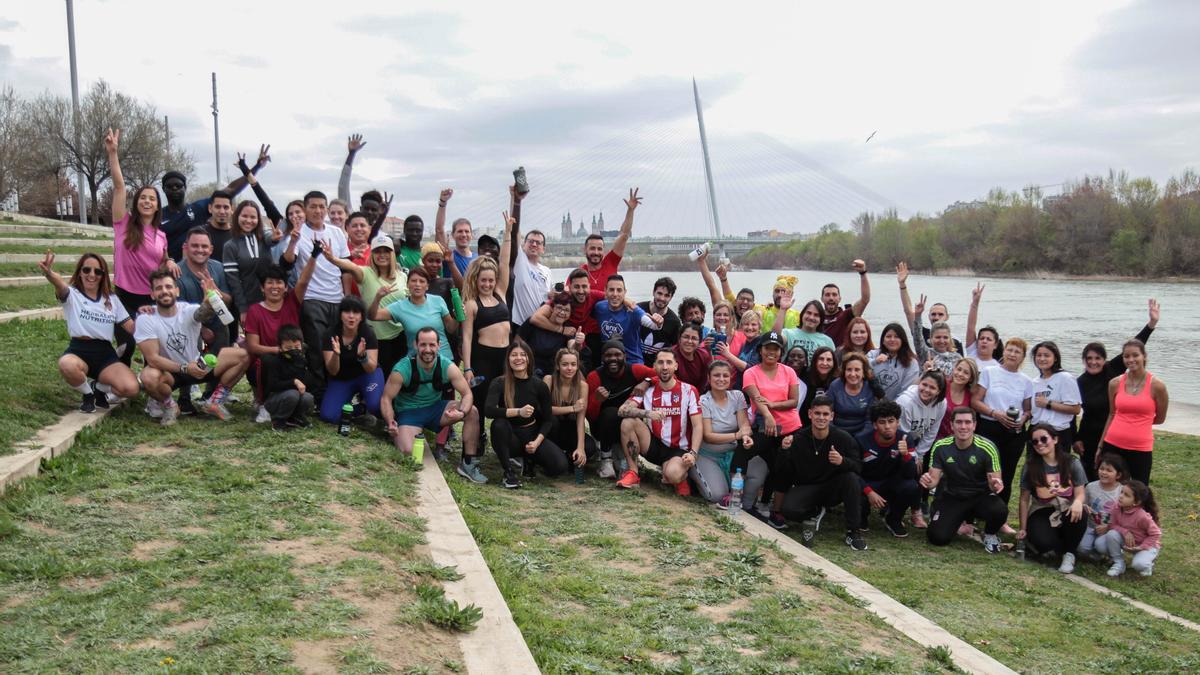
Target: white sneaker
{"points": [[1068, 563], [170, 413], [231, 398], [1117, 569], [606, 468], [263, 415], [154, 409]]}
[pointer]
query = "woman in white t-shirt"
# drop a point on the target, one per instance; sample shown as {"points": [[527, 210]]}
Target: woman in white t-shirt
{"points": [[91, 309], [1003, 399], [1056, 399]]}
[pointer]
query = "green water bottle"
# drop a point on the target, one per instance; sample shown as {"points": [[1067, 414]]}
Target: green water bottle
{"points": [[344, 424], [456, 299], [418, 449]]}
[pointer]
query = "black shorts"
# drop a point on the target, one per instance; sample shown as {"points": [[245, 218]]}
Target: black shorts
{"points": [[660, 453], [97, 354], [183, 381]]}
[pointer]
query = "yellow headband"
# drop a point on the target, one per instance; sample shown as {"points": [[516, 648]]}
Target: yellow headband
{"points": [[430, 247], [786, 282]]}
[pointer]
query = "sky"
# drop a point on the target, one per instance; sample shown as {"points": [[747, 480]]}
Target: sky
{"points": [[961, 97]]}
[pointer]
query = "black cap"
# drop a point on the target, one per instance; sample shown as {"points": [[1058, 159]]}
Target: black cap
{"points": [[613, 344], [487, 240], [772, 338]]}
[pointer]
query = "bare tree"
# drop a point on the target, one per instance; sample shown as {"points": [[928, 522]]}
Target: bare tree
{"points": [[14, 155]]}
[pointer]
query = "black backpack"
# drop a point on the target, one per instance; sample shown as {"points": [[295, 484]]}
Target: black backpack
{"points": [[413, 383]]}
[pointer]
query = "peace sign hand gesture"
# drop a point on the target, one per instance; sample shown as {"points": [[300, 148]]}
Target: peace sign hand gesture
{"points": [[112, 140], [47, 263]]}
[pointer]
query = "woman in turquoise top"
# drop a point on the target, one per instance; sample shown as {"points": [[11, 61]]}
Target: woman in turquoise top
{"points": [[419, 310]]}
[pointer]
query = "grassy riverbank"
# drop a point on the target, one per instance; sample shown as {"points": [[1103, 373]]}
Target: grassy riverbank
{"points": [[32, 394]]}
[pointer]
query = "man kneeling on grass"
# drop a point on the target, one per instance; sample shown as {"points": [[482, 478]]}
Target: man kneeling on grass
{"points": [[819, 470], [671, 407], [965, 469], [413, 398], [170, 342]]}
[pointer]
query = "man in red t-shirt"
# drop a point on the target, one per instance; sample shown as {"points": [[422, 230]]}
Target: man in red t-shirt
{"points": [[600, 265], [835, 318], [671, 408]]}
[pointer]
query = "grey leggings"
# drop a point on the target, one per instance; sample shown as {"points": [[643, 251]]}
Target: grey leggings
{"points": [[713, 482]]}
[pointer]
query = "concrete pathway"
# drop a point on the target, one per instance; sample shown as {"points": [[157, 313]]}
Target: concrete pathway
{"points": [[49, 443], [30, 314]]}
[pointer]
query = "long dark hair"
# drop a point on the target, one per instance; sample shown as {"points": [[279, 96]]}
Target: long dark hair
{"points": [[905, 353], [1048, 345], [105, 289], [135, 231], [814, 378], [237, 227], [998, 352], [1143, 497], [1037, 466], [510, 378]]}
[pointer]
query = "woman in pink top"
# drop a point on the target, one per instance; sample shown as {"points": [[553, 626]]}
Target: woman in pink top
{"points": [[1136, 402], [139, 247]]}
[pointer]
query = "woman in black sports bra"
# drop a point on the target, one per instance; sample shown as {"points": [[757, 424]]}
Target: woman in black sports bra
{"points": [[487, 329]]}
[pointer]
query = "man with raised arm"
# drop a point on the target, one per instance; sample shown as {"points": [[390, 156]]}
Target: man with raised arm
{"points": [[178, 217], [835, 318], [663, 425], [600, 265], [170, 342], [965, 469], [460, 230]]}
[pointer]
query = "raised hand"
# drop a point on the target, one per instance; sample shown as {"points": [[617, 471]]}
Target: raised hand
{"points": [[634, 200], [355, 142], [1154, 312], [859, 265], [264, 155], [383, 291], [509, 221], [47, 263], [335, 343], [786, 300], [445, 196], [362, 348], [919, 309], [902, 273], [835, 457], [241, 164], [977, 294], [112, 139], [386, 206]]}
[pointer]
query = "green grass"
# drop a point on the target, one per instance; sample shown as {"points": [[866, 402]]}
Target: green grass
{"points": [[14, 298], [32, 394], [51, 236], [102, 247], [1025, 613], [30, 269], [217, 547], [600, 580]]}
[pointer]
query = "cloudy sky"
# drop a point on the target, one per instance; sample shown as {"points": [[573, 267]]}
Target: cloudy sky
{"points": [[963, 97]]}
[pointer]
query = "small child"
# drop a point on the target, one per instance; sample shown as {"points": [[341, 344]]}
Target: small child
{"points": [[1132, 526], [286, 380], [1099, 496]]}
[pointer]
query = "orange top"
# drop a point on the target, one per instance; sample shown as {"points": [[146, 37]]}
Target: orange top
{"points": [[1133, 418]]}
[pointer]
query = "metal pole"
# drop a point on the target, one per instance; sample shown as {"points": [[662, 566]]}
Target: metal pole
{"points": [[216, 130], [712, 193], [75, 104], [167, 131]]}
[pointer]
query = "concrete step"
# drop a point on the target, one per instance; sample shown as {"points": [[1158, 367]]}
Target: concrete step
{"points": [[37, 257], [21, 281], [97, 243]]}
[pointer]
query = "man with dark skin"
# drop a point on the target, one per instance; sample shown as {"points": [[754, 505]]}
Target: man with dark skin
{"points": [[178, 217], [408, 250]]}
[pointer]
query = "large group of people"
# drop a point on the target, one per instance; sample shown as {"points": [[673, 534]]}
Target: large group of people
{"points": [[794, 404]]}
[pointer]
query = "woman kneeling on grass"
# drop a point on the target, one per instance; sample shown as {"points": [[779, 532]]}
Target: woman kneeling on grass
{"points": [[568, 398], [726, 427], [91, 309], [520, 407], [1052, 495]]}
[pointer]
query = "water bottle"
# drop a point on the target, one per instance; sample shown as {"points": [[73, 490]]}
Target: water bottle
{"points": [[476, 381], [521, 181], [456, 299], [206, 361], [699, 251], [1019, 549], [344, 424], [418, 448], [218, 305], [578, 475], [736, 486], [719, 338], [1014, 414]]}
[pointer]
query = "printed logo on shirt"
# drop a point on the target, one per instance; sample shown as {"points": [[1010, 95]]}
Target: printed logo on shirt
{"points": [[177, 342], [950, 460], [612, 329], [972, 459]]}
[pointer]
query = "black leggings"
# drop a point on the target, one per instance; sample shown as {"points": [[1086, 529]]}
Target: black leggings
{"points": [[132, 302], [391, 351], [564, 436], [1011, 446], [509, 443], [947, 513], [1044, 537], [606, 427], [1138, 461]]}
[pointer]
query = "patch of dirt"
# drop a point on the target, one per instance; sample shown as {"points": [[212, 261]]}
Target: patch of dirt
{"points": [[236, 461], [190, 626], [145, 550], [190, 582], [168, 606], [307, 550], [280, 468], [150, 450], [41, 529], [349, 516], [192, 529], [317, 656], [279, 525], [77, 500], [15, 600], [153, 644], [86, 583], [722, 613]]}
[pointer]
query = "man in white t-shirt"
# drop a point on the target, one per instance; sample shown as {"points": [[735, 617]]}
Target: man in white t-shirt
{"points": [[319, 312], [169, 339], [531, 279]]}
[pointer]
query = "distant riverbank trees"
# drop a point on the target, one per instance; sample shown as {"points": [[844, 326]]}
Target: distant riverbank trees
{"points": [[1099, 225]]}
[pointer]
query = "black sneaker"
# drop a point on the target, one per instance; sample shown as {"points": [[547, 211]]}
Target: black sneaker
{"points": [[527, 470], [854, 540], [298, 423], [511, 482], [89, 403], [186, 407], [280, 425], [896, 528], [776, 520], [101, 398]]}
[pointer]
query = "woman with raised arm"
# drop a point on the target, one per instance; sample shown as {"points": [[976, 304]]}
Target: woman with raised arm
{"points": [[90, 363], [247, 255], [139, 246], [939, 352], [742, 349], [983, 346], [1137, 401]]}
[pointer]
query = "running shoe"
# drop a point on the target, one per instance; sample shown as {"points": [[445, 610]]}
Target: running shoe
{"points": [[170, 413], [991, 543], [1068, 563], [1117, 569], [683, 489], [854, 540], [89, 403], [723, 503], [471, 472], [511, 482], [298, 423], [219, 411], [896, 527], [440, 455], [154, 409], [918, 521], [776, 520], [280, 425], [527, 469], [966, 530], [186, 407], [101, 396], [263, 415], [629, 480], [606, 468], [364, 421]]}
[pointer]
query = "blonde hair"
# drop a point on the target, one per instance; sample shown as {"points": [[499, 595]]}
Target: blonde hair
{"points": [[471, 282]]}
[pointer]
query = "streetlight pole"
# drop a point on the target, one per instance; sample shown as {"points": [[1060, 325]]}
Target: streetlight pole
{"points": [[216, 131], [75, 104]]}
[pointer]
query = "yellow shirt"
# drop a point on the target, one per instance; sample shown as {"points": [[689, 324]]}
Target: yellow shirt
{"points": [[768, 313]]}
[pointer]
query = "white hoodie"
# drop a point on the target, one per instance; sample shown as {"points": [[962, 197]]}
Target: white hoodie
{"points": [[918, 421]]}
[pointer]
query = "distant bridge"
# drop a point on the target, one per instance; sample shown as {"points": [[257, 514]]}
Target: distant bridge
{"points": [[665, 246]]}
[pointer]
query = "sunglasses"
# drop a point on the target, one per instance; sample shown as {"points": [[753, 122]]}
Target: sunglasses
{"points": [[1041, 440], [91, 270]]}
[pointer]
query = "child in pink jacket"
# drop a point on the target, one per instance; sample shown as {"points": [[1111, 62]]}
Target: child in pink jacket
{"points": [[1133, 527]]}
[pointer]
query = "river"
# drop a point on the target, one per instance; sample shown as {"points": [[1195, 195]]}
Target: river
{"points": [[1071, 313]]}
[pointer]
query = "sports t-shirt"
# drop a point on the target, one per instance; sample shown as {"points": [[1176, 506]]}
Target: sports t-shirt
{"points": [[326, 283], [657, 339], [425, 315], [881, 461], [425, 394], [723, 418], [808, 341], [1060, 387], [531, 286], [132, 268], [93, 318], [462, 262], [834, 325], [775, 389], [581, 313], [623, 324], [177, 223], [371, 283], [678, 403], [850, 410], [265, 323], [598, 278], [408, 258], [1005, 389], [178, 335], [964, 471]]}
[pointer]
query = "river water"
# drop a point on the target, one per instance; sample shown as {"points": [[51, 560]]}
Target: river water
{"points": [[1071, 313]]}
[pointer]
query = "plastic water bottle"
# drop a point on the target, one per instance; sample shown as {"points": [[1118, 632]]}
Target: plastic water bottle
{"points": [[218, 305], [206, 361], [699, 251], [737, 485], [460, 314], [418, 448], [344, 424]]}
